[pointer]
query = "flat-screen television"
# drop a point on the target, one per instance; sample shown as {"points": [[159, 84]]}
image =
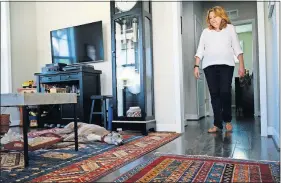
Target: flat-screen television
{"points": [[78, 44]]}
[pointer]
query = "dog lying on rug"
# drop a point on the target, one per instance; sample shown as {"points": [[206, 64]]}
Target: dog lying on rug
{"points": [[86, 133], [90, 132]]}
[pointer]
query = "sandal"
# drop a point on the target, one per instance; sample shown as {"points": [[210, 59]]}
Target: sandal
{"points": [[213, 129], [228, 127]]}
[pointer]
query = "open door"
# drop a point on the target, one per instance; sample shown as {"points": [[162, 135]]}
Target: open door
{"points": [[201, 87]]}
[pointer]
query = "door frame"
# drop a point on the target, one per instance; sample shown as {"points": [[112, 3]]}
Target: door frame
{"points": [[262, 67], [178, 65], [177, 8], [255, 64], [195, 19]]}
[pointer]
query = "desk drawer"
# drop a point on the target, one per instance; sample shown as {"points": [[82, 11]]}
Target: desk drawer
{"points": [[74, 76], [47, 79]]}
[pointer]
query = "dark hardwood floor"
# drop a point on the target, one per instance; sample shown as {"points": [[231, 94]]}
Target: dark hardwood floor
{"points": [[244, 142]]}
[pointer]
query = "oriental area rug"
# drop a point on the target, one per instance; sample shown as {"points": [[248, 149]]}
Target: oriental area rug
{"points": [[86, 167], [184, 168], [44, 161]]}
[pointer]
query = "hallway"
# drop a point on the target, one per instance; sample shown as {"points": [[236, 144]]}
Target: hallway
{"points": [[245, 142]]}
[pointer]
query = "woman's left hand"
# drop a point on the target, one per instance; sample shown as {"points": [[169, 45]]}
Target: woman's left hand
{"points": [[241, 71]]}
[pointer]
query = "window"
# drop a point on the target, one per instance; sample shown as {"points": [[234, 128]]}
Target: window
{"points": [[233, 14], [6, 81], [63, 46]]}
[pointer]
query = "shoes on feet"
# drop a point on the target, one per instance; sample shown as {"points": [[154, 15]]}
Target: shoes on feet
{"points": [[228, 127], [214, 129]]}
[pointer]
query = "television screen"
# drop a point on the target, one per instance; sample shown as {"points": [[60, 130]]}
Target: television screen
{"points": [[78, 44]]}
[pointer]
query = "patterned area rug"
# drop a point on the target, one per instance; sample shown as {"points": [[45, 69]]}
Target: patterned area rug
{"points": [[97, 166], [177, 168], [45, 161]]}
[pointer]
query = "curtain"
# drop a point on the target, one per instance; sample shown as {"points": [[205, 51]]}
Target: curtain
{"points": [[6, 81]]}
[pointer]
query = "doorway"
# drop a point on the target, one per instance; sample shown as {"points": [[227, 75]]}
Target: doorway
{"points": [[195, 103], [246, 89], [197, 98], [201, 82]]}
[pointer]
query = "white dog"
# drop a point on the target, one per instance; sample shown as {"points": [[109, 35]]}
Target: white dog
{"points": [[90, 132]]}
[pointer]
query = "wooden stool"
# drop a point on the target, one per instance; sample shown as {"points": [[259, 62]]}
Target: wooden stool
{"points": [[104, 109]]}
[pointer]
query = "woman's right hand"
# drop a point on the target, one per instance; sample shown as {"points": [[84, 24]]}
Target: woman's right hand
{"points": [[196, 72]]}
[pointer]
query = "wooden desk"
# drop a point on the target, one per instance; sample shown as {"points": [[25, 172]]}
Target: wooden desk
{"points": [[36, 99]]}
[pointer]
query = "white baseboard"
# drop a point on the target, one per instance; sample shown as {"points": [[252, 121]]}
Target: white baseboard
{"points": [[276, 137], [209, 114], [165, 127], [15, 123], [270, 130], [257, 114], [191, 117]]}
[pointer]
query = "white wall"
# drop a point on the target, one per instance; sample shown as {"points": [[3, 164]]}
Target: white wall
{"points": [[279, 67], [272, 60], [188, 60], [163, 65], [190, 10], [42, 17], [23, 48], [23, 42], [272, 75], [55, 15]]}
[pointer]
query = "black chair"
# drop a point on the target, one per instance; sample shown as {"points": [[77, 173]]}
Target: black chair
{"points": [[103, 99]]}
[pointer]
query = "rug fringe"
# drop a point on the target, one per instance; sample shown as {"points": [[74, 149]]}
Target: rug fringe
{"points": [[215, 157]]}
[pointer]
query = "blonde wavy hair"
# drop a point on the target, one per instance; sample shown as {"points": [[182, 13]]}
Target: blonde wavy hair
{"points": [[220, 12]]}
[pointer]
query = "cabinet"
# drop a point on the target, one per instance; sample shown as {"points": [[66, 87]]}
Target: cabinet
{"points": [[132, 63], [85, 81]]}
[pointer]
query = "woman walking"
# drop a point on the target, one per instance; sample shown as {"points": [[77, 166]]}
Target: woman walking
{"points": [[218, 43]]}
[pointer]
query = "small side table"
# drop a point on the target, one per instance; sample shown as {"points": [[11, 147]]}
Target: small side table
{"points": [[36, 99]]}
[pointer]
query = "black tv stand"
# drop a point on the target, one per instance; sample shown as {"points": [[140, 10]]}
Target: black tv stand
{"points": [[83, 80], [78, 67]]}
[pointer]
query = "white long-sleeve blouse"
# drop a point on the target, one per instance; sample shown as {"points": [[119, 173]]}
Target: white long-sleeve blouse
{"points": [[216, 48]]}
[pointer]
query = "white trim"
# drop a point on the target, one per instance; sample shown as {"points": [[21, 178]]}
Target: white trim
{"points": [[6, 6], [275, 33], [178, 66], [270, 130], [278, 25], [276, 132], [201, 72], [262, 68], [166, 128], [15, 122], [191, 117], [276, 137]]}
